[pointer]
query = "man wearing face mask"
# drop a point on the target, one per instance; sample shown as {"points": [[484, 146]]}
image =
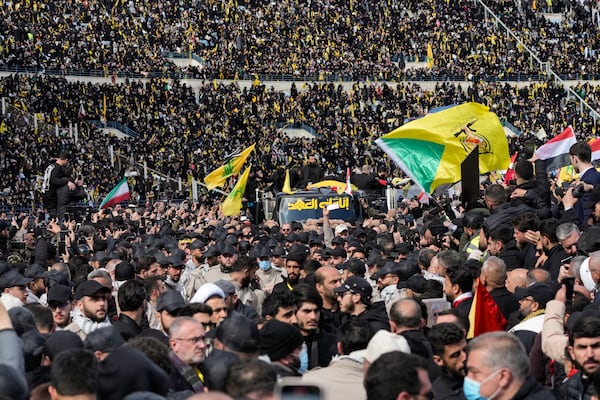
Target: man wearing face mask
{"points": [[498, 369], [268, 275], [284, 345]]}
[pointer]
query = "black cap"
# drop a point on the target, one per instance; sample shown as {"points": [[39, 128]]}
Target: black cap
{"points": [[60, 294], [171, 301], [541, 292], [175, 261], [227, 249], [238, 333], [416, 283], [13, 278], [197, 245], [60, 341], [212, 251], [388, 268], [339, 252], [265, 252], [356, 285], [279, 339], [89, 288], [354, 265], [35, 271], [278, 251]]}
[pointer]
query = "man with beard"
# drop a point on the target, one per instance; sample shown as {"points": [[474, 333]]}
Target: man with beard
{"points": [[228, 256], [242, 275], [355, 300], [327, 279], [293, 264], [321, 346], [532, 307], [60, 302], [553, 251], [449, 344], [568, 235], [311, 172], [90, 308], [500, 243], [187, 342], [524, 226], [458, 285], [14, 289], [174, 271], [584, 348]]}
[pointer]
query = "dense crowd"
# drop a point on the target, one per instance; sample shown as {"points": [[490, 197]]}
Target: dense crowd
{"points": [[330, 40], [185, 131]]}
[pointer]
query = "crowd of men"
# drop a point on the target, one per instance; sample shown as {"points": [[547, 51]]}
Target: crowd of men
{"points": [[176, 299]]}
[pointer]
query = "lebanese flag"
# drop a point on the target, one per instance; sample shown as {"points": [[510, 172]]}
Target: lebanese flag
{"points": [[348, 187], [118, 194], [557, 146], [484, 316], [595, 145]]}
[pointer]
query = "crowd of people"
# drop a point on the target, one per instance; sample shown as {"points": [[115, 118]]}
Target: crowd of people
{"points": [[331, 40], [165, 297], [178, 300], [184, 131]]}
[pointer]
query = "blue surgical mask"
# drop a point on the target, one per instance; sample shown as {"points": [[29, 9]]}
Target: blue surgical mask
{"points": [[265, 265], [303, 359], [471, 388]]}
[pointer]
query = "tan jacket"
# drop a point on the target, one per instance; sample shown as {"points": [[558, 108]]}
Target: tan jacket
{"points": [[554, 339]]}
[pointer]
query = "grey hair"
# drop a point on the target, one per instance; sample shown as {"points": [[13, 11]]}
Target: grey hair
{"points": [[566, 229], [178, 323], [99, 273], [502, 350]]}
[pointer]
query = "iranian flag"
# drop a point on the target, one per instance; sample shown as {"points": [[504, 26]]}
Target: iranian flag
{"points": [[118, 194]]}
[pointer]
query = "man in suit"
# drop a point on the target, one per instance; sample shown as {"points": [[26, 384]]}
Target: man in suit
{"points": [[581, 159]]}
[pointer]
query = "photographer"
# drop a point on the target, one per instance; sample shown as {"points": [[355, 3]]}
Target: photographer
{"points": [[58, 188]]}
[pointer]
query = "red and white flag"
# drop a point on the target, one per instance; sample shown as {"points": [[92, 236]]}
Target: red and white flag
{"points": [[118, 194], [82, 112], [510, 173], [557, 146], [595, 145], [348, 188]]}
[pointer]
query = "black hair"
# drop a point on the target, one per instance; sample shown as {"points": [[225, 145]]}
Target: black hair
{"points": [[277, 299], [131, 295], [250, 376], [442, 335], [355, 334], [393, 373], [307, 294], [584, 327], [461, 276], [548, 227], [74, 372]]}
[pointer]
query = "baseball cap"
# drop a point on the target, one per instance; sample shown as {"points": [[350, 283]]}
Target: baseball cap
{"points": [[35, 271], [89, 288], [59, 294], [339, 252], [60, 341], [416, 283], [541, 292], [384, 342], [197, 244], [340, 228], [124, 271], [13, 278], [389, 268], [171, 300], [226, 286], [358, 285]]}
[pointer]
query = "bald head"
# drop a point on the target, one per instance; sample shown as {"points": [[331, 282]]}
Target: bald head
{"points": [[405, 314], [516, 278], [493, 273], [537, 275]]}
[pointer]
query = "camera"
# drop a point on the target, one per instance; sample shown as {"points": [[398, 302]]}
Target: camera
{"points": [[578, 191]]}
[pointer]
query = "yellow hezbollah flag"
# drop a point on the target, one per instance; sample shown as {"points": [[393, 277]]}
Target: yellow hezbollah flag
{"points": [[429, 56], [287, 187], [233, 202], [234, 165], [431, 149]]}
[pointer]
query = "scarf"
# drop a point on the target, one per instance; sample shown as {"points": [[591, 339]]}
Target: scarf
{"points": [[86, 324], [188, 373]]}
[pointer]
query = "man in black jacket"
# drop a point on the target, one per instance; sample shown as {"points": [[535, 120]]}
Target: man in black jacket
{"points": [[449, 346], [58, 187], [355, 300], [584, 348]]}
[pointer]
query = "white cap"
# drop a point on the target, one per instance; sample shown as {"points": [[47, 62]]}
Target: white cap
{"points": [[207, 291], [385, 342], [586, 275], [340, 228]]}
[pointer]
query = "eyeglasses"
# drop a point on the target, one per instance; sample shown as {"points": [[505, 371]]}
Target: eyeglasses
{"points": [[531, 299], [195, 340]]}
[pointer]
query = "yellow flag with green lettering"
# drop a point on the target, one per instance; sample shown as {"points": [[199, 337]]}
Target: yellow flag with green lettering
{"points": [[430, 150], [233, 203], [218, 177]]}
